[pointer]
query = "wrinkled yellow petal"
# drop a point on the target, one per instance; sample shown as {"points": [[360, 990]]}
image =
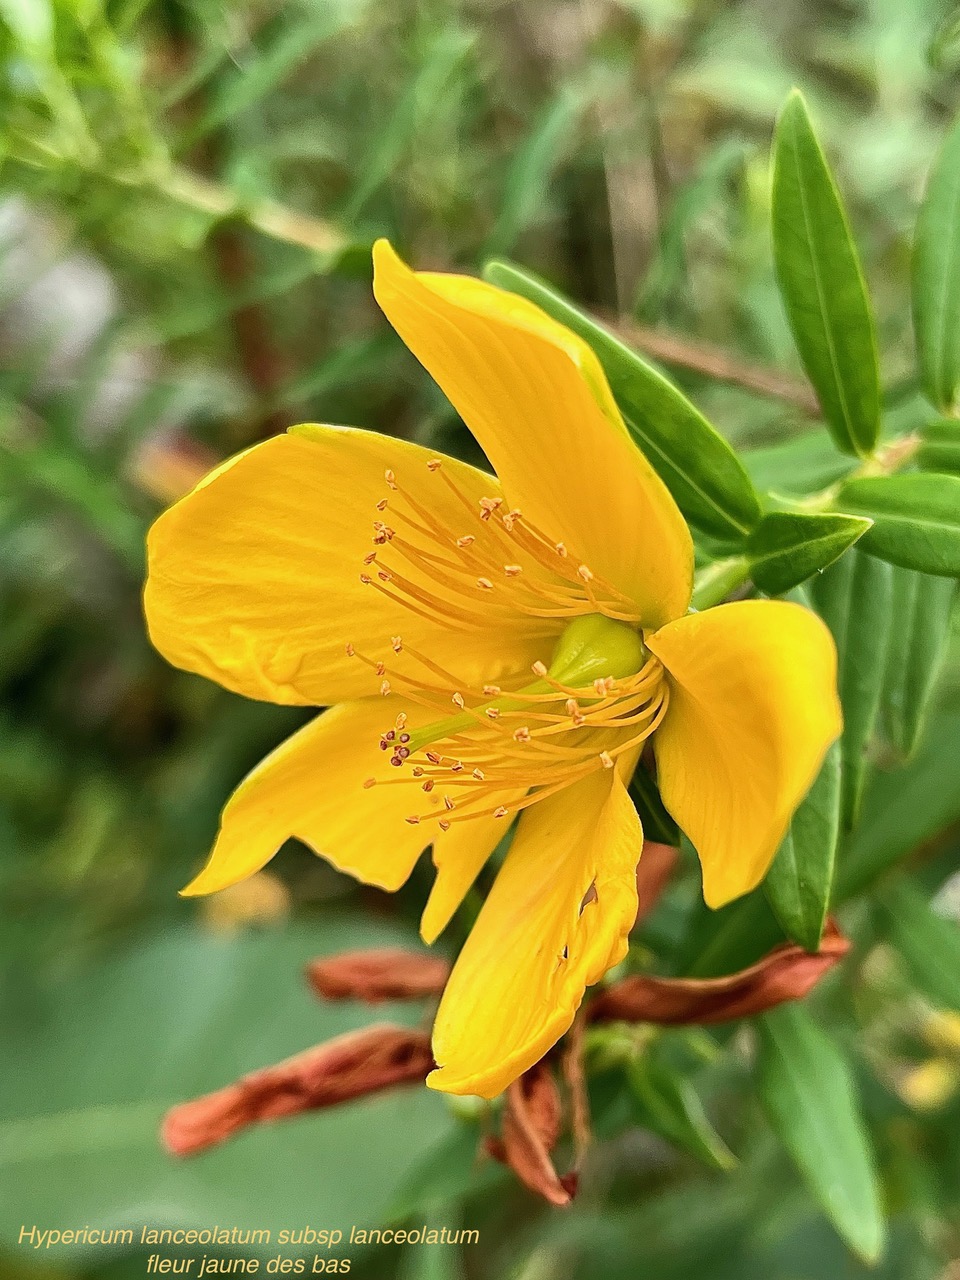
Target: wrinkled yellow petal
{"points": [[537, 944], [311, 788], [254, 577], [753, 709], [537, 400]]}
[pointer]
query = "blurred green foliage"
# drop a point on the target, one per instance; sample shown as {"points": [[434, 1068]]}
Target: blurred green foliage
{"points": [[189, 192]]}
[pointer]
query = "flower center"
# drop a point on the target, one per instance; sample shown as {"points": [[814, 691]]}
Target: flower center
{"points": [[504, 750]]}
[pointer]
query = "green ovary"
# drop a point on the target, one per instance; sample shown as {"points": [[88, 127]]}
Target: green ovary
{"points": [[591, 647]]}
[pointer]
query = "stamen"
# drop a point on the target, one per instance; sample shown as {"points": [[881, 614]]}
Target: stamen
{"points": [[514, 746]]}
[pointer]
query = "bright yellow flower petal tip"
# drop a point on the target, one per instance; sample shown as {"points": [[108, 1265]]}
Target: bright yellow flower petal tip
{"points": [[493, 647]]}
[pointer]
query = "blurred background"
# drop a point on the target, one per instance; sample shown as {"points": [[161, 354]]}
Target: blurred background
{"points": [[188, 193]]}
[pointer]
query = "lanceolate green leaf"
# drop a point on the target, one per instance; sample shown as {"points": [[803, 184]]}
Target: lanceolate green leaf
{"points": [[928, 943], [936, 278], [808, 1093], [800, 465], [853, 597], [788, 547], [916, 519], [904, 808], [667, 1102], [697, 465], [822, 283], [940, 446], [921, 609], [533, 166], [798, 884], [719, 942]]}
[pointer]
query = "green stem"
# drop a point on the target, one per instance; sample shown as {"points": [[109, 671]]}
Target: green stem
{"points": [[713, 584], [887, 461]]}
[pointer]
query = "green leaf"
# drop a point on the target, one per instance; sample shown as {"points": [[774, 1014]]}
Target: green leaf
{"points": [[800, 881], [245, 85], [667, 1103], [532, 167], [31, 22], [173, 1017], [916, 519], [692, 200], [718, 942], [945, 44], [940, 446], [936, 277], [853, 597], [922, 606], [66, 478], [904, 808], [807, 1090], [928, 944], [788, 547], [822, 283], [694, 461], [444, 1172], [439, 76], [799, 466]]}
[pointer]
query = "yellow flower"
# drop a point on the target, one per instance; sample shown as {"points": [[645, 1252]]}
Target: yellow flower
{"points": [[493, 646]]}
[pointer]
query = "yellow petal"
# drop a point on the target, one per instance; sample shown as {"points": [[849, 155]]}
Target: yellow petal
{"points": [[459, 855], [311, 788], [537, 944], [537, 400], [753, 709], [254, 577]]}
